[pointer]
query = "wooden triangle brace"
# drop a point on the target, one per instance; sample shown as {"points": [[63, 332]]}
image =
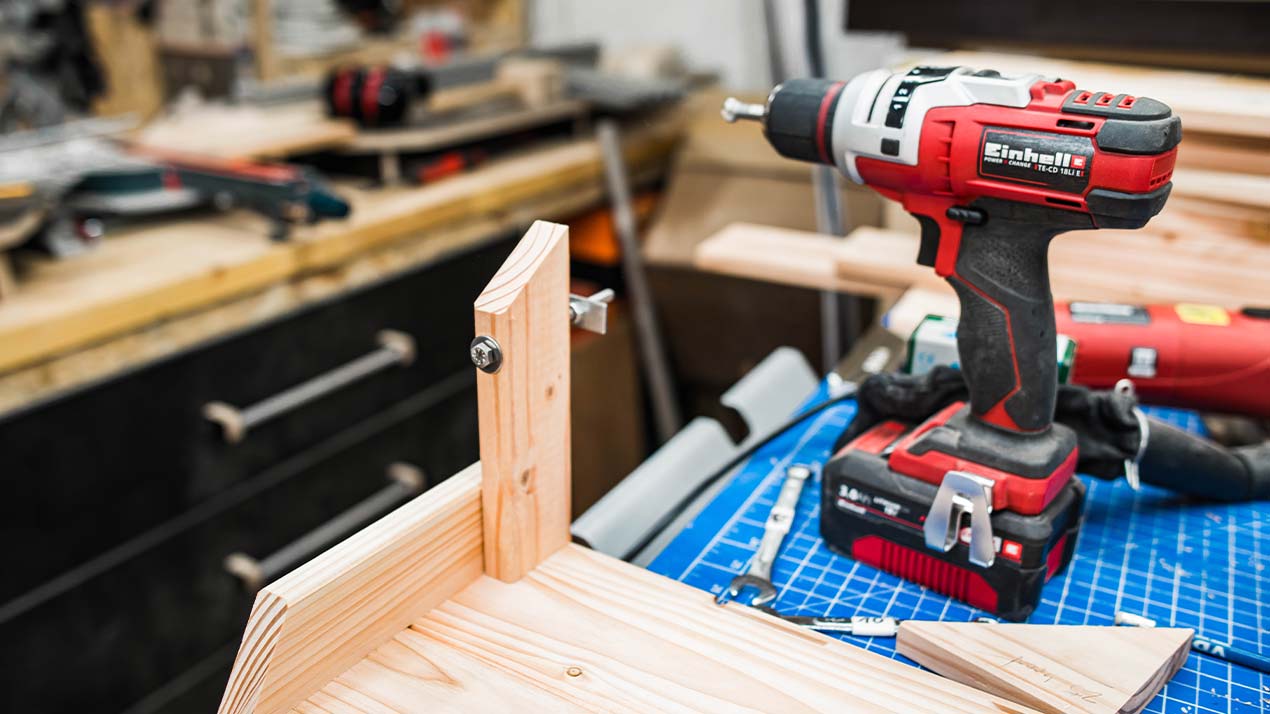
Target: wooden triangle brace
{"points": [[1054, 668]]}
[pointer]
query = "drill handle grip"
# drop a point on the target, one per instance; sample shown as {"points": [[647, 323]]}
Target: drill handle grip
{"points": [[995, 255]]}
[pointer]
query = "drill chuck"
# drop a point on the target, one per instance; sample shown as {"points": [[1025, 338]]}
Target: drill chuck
{"points": [[797, 119]]}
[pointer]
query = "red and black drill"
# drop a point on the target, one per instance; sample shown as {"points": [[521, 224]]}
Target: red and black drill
{"points": [[977, 501]]}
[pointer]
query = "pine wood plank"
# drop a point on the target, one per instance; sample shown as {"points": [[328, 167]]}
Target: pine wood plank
{"points": [[788, 256], [586, 632], [1209, 102], [524, 406], [1058, 669], [426, 138], [248, 132], [1084, 265], [321, 618]]}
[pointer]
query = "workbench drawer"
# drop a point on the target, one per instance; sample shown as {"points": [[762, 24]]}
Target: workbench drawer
{"points": [[169, 607], [94, 468]]}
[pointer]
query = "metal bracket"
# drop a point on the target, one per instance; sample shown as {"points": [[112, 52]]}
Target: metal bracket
{"points": [[590, 313], [962, 493]]}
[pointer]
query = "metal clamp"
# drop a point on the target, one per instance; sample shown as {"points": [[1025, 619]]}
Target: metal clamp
{"points": [[407, 480], [396, 348], [591, 313], [961, 493], [1125, 387]]}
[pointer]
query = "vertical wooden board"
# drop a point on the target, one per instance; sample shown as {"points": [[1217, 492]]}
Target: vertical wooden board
{"points": [[323, 617], [1061, 669], [524, 406]]}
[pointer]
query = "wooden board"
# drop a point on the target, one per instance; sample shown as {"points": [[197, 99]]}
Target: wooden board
{"points": [[1084, 265], [124, 48], [1059, 669], [524, 405], [791, 257], [451, 133], [248, 132], [317, 621], [1221, 104], [586, 632], [161, 270]]}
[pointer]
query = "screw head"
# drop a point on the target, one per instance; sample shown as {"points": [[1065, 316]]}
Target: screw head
{"points": [[486, 354]]}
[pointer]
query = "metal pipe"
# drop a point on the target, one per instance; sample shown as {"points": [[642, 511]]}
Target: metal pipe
{"points": [[396, 348], [661, 385], [407, 481]]}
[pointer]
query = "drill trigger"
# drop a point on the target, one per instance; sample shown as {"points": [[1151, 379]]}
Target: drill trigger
{"points": [[929, 247]]}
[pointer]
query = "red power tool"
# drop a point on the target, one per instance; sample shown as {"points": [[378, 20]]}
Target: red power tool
{"points": [[1195, 356], [979, 500]]}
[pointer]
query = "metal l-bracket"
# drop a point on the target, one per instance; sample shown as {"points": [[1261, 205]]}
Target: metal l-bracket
{"points": [[960, 493], [591, 313]]}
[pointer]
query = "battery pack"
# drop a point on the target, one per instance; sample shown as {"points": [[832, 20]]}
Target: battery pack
{"points": [[875, 515]]}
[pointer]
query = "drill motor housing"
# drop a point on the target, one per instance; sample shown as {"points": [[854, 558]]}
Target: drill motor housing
{"points": [[993, 167]]}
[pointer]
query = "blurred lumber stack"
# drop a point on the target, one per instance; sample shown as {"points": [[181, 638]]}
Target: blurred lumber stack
{"points": [[1221, 189]]}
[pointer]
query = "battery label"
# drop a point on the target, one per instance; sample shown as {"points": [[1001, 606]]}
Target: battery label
{"points": [[855, 500], [1058, 161]]}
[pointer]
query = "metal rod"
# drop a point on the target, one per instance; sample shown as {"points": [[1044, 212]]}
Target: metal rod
{"points": [[239, 493], [829, 222], [661, 385], [407, 481], [397, 348]]}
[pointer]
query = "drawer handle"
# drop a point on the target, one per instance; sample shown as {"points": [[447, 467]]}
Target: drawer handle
{"points": [[395, 348], [407, 480]]}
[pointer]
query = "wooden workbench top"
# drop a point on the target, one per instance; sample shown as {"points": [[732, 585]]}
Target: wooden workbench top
{"points": [[148, 274]]}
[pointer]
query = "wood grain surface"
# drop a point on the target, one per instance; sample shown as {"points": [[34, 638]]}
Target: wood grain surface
{"points": [[524, 406], [1060, 669], [1084, 265], [584, 632], [318, 620]]}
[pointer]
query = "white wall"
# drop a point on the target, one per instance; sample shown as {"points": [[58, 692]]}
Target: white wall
{"points": [[726, 36]]}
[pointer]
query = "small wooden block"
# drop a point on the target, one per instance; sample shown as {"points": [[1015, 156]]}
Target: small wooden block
{"points": [[1054, 668]]}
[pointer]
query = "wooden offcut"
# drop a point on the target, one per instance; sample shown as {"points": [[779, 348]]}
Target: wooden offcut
{"points": [[1060, 669], [399, 619], [1083, 265], [524, 406]]}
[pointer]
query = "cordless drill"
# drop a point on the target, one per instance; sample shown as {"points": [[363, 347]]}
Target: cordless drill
{"points": [[977, 501]]}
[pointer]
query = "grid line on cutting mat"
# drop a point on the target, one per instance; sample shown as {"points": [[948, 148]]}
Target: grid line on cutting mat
{"points": [[1147, 552]]}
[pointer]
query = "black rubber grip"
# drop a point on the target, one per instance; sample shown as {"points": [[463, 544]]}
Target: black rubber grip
{"points": [[1007, 311], [1181, 461]]}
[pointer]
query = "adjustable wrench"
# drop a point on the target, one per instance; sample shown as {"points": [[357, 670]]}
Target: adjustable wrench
{"points": [[759, 574]]}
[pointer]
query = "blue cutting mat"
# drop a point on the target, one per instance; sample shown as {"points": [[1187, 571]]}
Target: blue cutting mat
{"points": [[1202, 566]]}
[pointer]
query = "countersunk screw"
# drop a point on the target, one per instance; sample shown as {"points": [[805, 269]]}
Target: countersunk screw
{"points": [[486, 354]]}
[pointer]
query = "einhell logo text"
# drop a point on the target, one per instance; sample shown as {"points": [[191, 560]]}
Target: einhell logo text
{"points": [[1059, 162]]}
